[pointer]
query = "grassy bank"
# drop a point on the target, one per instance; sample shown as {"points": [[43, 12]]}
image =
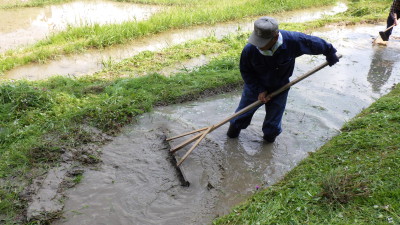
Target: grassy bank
{"points": [[80, 39], [31, 3], [41, 120], [353, 179], [164, 2], [40, 3]]}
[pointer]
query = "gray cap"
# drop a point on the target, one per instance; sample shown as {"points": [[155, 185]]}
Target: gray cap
{"points": [[264, 30]]}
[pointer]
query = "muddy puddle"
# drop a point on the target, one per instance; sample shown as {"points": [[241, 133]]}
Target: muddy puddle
{"points": [[23, 26], [135, 184], [92, 61]]}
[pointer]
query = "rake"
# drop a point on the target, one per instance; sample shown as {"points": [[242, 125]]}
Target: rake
{"points": [[383, 33], [202, 132]]}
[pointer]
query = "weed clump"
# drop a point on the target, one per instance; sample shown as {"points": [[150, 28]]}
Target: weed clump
{"points": [[21, 96], [340, 187]]}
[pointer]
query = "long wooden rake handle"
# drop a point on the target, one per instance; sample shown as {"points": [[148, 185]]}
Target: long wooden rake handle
{"points": [[182, 145], [206, 130], [388, 28]]}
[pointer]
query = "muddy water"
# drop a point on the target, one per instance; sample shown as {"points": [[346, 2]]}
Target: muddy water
{"points": [[136, 185], [91, 61], [24, 26]]}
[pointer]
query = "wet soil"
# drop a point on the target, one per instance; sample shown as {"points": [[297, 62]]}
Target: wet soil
{"points": [[45, 195]]}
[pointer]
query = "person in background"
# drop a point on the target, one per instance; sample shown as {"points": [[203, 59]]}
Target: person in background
{"points": [[392, 18], [266, 63]]}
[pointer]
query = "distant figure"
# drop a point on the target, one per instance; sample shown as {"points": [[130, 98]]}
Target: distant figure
{"points": [[392, 18], [266, 64]]}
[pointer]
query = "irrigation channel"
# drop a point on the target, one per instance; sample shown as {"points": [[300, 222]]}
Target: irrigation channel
{"points": [[136, 184]]}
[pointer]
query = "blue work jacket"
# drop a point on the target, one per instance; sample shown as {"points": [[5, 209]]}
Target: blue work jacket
{"points": [[268, 73]]}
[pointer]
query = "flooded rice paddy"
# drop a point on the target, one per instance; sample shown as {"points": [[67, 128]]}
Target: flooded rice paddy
{"points": [[23, 26], [92, 61], [136, 184]]}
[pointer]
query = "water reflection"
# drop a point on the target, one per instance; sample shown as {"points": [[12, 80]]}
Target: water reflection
{"points": [[380, 70], [246, 155]]}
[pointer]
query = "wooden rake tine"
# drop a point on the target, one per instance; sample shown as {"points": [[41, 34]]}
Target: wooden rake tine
{"points": [[185, 134], [183, 144], [209, 129], [203, 135]]}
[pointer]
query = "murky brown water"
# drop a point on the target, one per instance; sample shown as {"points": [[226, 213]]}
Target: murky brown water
{"points": [[136, 185], [91, 61], [22, 26]]}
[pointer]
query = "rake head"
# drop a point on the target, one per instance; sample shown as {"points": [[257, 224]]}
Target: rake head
{"points": [[383, 36]]}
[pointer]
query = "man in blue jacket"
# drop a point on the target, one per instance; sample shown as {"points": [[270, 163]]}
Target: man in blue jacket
{"points": [[266, 64], [392, 18]]}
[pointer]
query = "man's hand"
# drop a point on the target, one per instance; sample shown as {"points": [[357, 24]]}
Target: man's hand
{"points": [[263, 97], [332, 59]]}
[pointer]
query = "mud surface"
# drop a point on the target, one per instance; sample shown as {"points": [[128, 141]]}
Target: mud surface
{"points": [[137, 185], [22, 26], [91, 61]]}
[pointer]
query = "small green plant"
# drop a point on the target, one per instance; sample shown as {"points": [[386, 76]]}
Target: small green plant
{"points": [[78, 178]]}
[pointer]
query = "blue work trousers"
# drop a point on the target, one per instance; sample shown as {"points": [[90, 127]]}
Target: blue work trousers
{"points": [[274, 110]]}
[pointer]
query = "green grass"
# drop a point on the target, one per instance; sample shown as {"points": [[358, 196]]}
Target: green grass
{"points": [[32, 3], [80, 39], [353, 179], [152, 62], [164, 2], [41, 3]]}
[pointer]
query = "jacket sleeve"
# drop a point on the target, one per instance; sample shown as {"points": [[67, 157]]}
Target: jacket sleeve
{"points": [[248, 73], [394, 8], [312, 45]]}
